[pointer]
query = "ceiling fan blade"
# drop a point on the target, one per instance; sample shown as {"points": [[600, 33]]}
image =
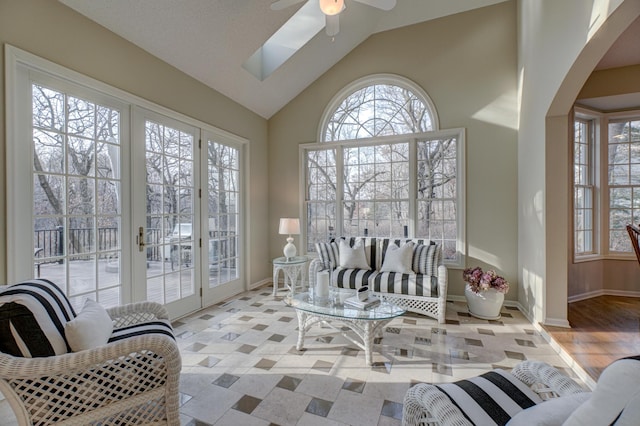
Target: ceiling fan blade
{"points": [[379, 4], [283, 4], [332, 25]]}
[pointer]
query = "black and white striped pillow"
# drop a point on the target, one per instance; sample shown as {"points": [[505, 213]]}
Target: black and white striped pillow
{"points": [[426, 259], [328, 253], [490, 399], [32, 319]]}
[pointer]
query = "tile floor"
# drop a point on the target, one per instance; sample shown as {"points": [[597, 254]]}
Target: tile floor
{"points": [[241, 367]]}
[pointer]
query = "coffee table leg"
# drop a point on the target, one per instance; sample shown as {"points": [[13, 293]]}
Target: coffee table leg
{"points": [[302, 317], [367, 340]]}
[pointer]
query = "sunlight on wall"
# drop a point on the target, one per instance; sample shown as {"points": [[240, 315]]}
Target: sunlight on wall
{"points": [[521, 76], [599, 13], [531, 294], [503, 111], [486, 257]]}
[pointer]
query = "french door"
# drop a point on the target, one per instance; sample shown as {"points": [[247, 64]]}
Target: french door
{"points": [[187, 201], [166, 212], [116, 199]]}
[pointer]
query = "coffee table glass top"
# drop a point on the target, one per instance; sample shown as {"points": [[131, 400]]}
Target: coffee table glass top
{"points": [[333, 306]]}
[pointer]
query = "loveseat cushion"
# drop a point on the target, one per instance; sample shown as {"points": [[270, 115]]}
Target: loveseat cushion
{"points": [[386, 282], [33, 315], [407, 284]]}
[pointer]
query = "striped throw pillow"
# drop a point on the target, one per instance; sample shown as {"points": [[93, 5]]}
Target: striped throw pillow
{"points": [[32, 319], [490, 399], [328, 253], [426, 258]]}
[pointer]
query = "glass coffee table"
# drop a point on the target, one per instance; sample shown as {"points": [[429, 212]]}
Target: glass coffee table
{"points": [[365, 323]]}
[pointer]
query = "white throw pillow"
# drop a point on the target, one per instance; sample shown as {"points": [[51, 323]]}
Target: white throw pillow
{"points": [[352, 257], [398, 259], [616, 386], [90, 329], [552, 412]]}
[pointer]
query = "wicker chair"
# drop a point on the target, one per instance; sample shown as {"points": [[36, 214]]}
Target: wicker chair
{"points": [[131, 380], [634, 233], [426, 404]]}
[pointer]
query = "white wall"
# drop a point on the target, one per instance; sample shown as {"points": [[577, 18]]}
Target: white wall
{"points": [[557, 50]]}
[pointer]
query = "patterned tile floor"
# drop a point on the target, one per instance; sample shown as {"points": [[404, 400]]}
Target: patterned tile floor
{"points": [[241, 367]]}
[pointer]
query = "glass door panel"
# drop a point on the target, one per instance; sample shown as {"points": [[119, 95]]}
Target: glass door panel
{"points": [[77, 202], [170, 223], [165, 212], [223, 196]]}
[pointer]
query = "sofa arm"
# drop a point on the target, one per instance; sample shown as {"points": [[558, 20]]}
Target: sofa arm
{"points": [[545, 379], [315, 266], [136, 313], [443, 286]]}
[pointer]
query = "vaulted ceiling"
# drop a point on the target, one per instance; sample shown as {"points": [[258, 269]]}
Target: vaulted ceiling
{"points": [[210, 40]]}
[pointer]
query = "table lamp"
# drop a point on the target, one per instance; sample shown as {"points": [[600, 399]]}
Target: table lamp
{"points": [[290, 226]]}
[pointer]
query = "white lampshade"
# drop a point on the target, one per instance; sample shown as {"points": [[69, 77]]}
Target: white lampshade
{"points": [[331, 7], [289, 226]]}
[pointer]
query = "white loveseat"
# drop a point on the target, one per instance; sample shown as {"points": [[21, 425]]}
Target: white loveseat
{"points": [[406, 272]]}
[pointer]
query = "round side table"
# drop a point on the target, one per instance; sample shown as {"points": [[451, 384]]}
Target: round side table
{"points": [[293, 270]]}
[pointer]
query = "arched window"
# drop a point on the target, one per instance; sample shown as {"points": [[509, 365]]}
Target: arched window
{"points": [[383, 106], [382, 168]]}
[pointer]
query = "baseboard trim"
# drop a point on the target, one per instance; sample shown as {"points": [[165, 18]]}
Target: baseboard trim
{"points": [[573, 365], [597, 293], [260, 283], [557, 322]]}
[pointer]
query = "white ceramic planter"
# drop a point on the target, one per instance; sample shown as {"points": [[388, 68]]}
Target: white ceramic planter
{"points": [[484, 305]]}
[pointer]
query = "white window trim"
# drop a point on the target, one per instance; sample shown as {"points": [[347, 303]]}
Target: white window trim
{"points": [[459, 133], [376, 79], [601, 184]]}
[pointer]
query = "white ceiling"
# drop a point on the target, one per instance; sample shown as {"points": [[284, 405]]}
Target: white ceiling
{"points": [[211, 39]]}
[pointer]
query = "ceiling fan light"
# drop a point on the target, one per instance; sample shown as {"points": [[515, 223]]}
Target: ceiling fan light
{"points": [[331, 7]]}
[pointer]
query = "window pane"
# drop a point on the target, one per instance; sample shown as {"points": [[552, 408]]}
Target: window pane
{"points": [[76, 195], [378, 110]]}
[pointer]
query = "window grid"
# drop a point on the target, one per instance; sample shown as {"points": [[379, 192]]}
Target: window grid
{"points": [[170, 191], [623, 180], [76, 195], [583, 218], [223, 164], [437, 193], [374, 182]]}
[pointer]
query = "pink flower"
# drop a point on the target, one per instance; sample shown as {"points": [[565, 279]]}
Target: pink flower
{"points": [[482, 281]]}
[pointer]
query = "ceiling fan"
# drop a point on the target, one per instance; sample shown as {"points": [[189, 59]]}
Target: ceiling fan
{"points": [[332, 9]]}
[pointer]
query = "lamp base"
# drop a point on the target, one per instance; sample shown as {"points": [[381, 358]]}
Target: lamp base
{"points": [[290, 249]]}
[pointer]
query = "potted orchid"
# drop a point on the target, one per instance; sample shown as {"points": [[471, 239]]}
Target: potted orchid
{"points": [[484, 292]]}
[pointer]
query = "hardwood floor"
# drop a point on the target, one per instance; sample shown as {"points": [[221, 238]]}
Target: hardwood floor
{"points": [[604, 329]]}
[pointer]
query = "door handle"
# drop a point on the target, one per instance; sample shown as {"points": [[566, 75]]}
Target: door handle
{"points": [[141, 242]]}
